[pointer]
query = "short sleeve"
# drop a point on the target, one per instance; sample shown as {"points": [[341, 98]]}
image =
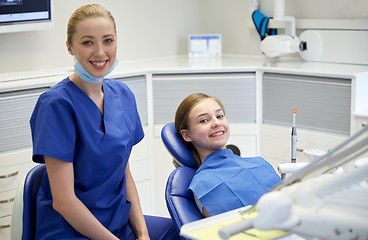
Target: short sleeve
{"points": [[53, 128]]}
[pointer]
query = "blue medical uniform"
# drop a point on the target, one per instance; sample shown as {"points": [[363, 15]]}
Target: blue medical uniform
{"points": [[226, 181], [67, 125]]}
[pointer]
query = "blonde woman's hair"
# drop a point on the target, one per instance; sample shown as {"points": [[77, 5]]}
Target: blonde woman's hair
{"points": [[182, 117], [84, 12]]}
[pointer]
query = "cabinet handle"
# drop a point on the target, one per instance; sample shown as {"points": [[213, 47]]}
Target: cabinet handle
{"points": [[299, 150], [5, 226], [9, 175], [7, 201]]}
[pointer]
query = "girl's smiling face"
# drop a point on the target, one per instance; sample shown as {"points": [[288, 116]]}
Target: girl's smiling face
{"points": [[94, 45], [208, 129]]}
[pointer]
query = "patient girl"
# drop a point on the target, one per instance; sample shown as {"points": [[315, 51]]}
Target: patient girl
{"points": [[223, 181]]}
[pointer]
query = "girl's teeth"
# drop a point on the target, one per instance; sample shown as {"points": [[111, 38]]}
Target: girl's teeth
{"points": [[217, 134]]}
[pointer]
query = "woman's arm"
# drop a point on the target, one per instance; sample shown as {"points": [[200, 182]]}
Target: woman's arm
{"points": [[136, 218], [61, 177]]}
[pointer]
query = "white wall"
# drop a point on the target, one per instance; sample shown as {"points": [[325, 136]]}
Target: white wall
{"points": [[159, 28], [231, 18], [146, 29]]}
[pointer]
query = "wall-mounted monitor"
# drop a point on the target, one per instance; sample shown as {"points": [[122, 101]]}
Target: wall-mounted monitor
{"points": [[25, 15]]}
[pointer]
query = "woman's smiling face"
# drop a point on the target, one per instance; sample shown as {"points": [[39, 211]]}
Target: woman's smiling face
{"points": [[94, 45], [208, 129]]}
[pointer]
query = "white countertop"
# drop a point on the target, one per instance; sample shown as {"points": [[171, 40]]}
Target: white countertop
{"points": [[183, 64], [237, 63]]}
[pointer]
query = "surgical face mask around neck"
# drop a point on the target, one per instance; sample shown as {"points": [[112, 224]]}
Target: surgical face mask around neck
{"points": [[86, 76]]}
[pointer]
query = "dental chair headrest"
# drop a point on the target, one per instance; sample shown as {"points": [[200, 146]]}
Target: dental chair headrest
{"points": [[176, 146]]}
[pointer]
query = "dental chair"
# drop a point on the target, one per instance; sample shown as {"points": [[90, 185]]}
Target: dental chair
{"points": [[23, 225], [179, 200]]}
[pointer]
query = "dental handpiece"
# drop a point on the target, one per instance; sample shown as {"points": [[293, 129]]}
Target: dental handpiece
{"points": [[293, 139]]}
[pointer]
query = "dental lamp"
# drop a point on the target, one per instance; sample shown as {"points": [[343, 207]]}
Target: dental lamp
{"points": [[287, 43], [278, 45]]}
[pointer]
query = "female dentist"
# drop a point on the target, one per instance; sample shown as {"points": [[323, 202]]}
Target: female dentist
{"points": [[84, 129]]}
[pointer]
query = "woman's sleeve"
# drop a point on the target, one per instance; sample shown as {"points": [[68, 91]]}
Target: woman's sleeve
{"points": [[53, 129]]}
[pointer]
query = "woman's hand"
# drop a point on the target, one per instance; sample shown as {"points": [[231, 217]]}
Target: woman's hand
{"points": [[143, 237]]}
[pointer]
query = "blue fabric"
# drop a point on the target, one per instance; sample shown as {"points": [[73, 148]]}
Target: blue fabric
{"points": [[159, 228], [226, 181], [67, 125], [86, 76]]}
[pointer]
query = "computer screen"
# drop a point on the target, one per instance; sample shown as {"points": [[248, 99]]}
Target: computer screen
{"points": [[205, 45], [25, 15]]}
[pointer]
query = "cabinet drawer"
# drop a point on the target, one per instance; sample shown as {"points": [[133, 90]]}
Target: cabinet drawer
{"points": [[6, 202], [11, 177], [5, 227], [16, 157]]}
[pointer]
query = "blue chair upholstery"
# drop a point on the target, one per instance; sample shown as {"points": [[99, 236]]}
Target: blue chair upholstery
{"points": [[24, 222], [176, 147], [180, 202]]}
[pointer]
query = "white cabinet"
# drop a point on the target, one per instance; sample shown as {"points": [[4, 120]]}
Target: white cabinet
{"points": [[323, 114], [14, 165], [5, 227], [275, 143], [258, 96], [16, 106]]}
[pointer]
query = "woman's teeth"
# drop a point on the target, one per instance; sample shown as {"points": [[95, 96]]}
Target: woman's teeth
{"points": [[99, 64]]}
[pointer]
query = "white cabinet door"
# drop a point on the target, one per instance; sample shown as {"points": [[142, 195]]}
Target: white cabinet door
{"points": [[275, 143], [322, 120]]}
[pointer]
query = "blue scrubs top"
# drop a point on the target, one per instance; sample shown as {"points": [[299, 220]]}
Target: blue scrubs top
{"points": [[226, 181], [67, 125]]}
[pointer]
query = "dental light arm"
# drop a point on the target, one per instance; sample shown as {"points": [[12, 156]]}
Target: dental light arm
{"points": [[287, 43], [319, 207], [317, 202]]}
